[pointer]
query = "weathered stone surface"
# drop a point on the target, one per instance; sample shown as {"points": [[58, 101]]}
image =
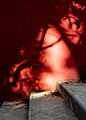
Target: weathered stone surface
{"points": [[13, 111], [75, 95], [45, 106]]}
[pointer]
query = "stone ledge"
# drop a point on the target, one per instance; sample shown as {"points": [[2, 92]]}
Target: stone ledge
{"points": [[48, 106], [14, 110], [75, 95]]}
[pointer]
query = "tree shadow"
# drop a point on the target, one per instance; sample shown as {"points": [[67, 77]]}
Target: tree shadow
{"points": [[20, 25]]}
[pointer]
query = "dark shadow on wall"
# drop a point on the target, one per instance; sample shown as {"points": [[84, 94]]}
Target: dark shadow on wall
{"points": [[19, 25]]}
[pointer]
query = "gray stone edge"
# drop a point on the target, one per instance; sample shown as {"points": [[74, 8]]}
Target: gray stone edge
{"points": [[73, 103], [31, 96], [29, 112]]}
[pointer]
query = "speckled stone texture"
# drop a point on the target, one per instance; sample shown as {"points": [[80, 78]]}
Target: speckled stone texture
{"points": [[14, 111], [75, 95], [43, 106]]}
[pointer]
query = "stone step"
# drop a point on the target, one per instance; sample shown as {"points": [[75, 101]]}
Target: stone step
{"points": [[48, 106], [75, 95], [14, 110]]}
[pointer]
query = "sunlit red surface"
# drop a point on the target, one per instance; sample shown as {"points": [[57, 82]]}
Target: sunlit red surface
{"points": [[58, 66], [58, 62]]}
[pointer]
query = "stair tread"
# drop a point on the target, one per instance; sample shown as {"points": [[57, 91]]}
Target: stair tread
{"points": [[44, 106], [13, 110], [75, 95]]}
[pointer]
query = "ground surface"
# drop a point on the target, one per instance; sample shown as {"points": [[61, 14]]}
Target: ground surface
{"points": [[14, 111], [49, 107]]}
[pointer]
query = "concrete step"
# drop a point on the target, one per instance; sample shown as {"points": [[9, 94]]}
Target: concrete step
{"points": [[14, 110], [48, 106], [75, 95]]}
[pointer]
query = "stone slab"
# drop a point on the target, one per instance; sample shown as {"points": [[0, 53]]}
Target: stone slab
{"points": [[75, 95], [14, 111], [48, 106]]}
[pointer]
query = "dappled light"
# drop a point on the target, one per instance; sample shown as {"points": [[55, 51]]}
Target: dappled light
{"points": [[45, 45]]}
